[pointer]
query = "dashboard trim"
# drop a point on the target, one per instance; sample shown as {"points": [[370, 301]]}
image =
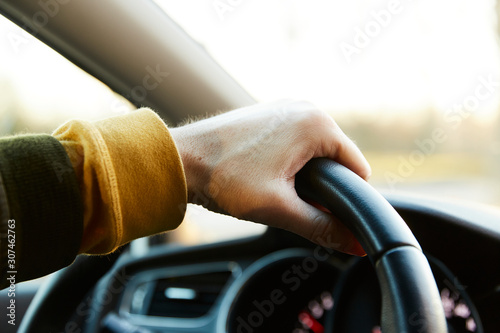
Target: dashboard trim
{"points": [[159, 273]]}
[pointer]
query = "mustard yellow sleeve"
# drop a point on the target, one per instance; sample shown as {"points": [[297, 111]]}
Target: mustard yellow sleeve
{"points": [[130, 175]]}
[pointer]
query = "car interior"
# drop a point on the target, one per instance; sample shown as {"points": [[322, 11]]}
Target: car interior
{"points": [[433, 259]]}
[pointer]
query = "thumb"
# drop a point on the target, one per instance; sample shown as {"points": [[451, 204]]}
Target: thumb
{"points": [[319, 226]]}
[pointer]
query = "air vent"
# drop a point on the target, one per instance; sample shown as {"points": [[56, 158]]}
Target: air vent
{"points": [[178, 296], [187, 296]]}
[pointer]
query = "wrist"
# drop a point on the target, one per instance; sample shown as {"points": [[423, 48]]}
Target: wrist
{"points": [[193, 161]]}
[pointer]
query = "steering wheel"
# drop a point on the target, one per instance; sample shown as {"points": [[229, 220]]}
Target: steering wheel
{"points": [[410, 297]]}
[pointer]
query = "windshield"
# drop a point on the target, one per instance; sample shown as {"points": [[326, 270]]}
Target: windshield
{"points": [[414, 83]]}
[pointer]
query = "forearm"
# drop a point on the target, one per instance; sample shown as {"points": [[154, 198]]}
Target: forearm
{"points": [[89, 188]]}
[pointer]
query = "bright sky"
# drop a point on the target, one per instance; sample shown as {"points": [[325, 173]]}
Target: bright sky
{"points": [[425, 54], [428, 54]]}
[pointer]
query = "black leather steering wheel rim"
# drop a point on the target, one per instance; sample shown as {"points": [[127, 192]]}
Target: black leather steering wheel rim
{"points": [[410, 297]]}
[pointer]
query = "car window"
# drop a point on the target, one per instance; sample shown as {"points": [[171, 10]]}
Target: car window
{"points": [[41, 89], [414, 83]]}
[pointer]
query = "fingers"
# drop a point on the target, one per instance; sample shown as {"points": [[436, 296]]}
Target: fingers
{"points": [[319, 227], [322, 131], [337, 146], [348, 154], [311, 221]]}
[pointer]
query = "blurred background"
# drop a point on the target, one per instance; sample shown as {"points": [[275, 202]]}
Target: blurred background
{"points": [[414, 83]]}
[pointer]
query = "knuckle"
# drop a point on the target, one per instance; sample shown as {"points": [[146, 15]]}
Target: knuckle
{"points": [[318, 121]]}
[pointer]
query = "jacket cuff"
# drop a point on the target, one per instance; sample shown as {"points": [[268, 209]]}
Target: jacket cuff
{"points": [[131, 177], [44, 201]]}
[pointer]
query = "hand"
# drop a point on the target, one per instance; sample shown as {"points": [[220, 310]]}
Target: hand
{"points": [[244, 163]]}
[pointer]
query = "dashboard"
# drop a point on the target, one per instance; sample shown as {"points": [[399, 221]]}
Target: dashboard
{"points": [[280, 282]]}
